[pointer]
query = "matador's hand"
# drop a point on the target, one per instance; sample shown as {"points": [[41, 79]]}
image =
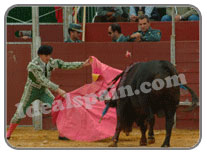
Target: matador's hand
{"points": [[87, 62], [61, 92]]}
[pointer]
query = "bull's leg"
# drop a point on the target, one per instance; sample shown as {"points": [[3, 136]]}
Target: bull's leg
{"points": [[151, 138], [169, 124], [116, 135], [143, 127]]}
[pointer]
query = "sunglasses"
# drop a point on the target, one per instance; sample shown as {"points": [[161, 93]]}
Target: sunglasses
{"points": [[109, 33]]}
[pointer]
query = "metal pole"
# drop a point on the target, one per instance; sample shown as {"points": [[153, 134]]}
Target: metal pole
{"points": [[67, 19], [65, 23], [76, 14], [173, 38], [70, 15], [84, 23], [172, 49], [36, 42]]}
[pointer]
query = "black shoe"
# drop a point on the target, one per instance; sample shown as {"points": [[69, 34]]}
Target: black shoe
{"points": [[8, 138], [63, 138]]}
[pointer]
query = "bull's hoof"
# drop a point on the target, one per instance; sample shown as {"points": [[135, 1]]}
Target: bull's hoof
{"points": [[143, 142], [127, 133], [113, 145], [151, 140], [165, 145]]}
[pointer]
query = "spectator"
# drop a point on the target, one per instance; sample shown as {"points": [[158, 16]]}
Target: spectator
{"points": [[114, 31], [74, 31], [181, 14], [146, 33], [111, 14], [23, 34], [150, 11], [161, 11], [125, 13]]}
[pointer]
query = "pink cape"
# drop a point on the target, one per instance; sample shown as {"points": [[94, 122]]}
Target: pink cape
{"points": [[77, 115]]}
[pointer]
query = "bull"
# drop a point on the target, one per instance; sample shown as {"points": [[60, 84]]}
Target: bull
{"points": [[153, 88]]}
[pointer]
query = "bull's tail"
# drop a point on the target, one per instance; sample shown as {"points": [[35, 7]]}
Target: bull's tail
{"points": [[194, 98]]}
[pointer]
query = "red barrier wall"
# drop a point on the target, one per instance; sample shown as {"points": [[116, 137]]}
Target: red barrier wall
{"points": [[97, 32], [187, 56], [18, 56]]}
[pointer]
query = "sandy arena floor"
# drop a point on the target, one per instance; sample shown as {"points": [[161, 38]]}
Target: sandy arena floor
{"points": [[27, 137]]}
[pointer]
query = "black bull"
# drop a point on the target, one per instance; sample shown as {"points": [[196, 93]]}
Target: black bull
{"points": [[141, 106]]}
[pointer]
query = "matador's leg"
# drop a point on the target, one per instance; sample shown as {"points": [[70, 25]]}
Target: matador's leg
{"points": [[29, 95]]}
